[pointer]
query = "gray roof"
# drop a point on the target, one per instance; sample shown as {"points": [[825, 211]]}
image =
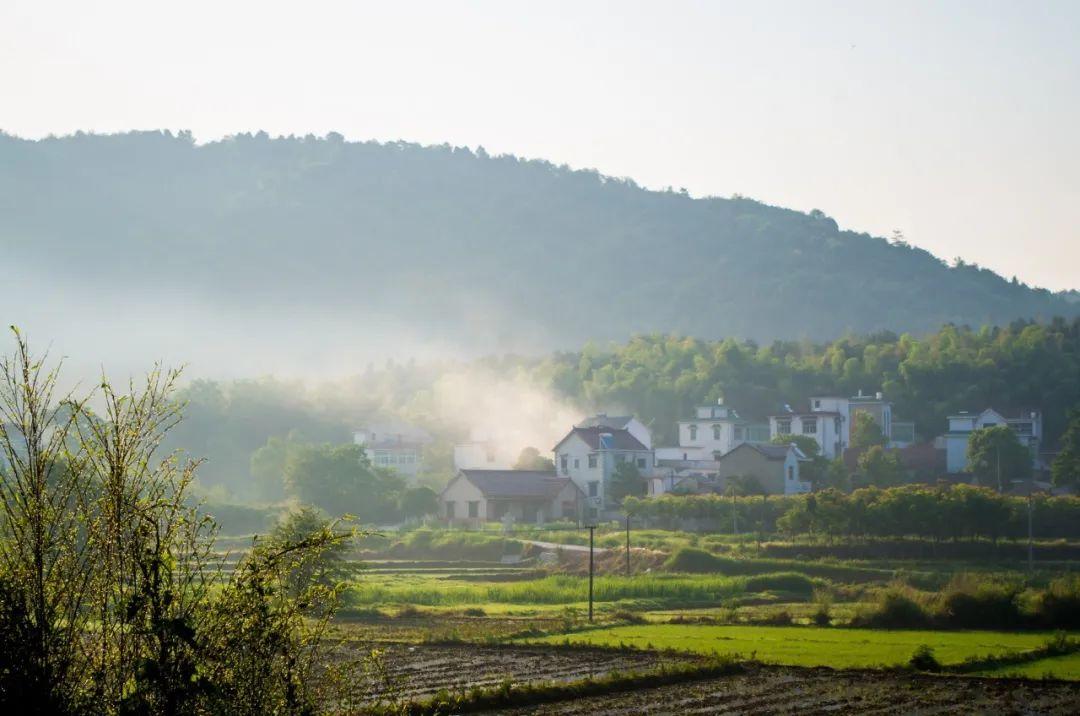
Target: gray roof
{"points": [[617, 422], [620, 439], [520, 484], [768, 451]]}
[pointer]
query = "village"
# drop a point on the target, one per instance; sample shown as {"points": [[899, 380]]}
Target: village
{"points": [[604, 458]]}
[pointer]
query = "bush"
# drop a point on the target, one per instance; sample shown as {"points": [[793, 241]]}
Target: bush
{"points": [[781, 581], [692, 559], [898, 607], [1059, 605], [971, 602], [924, 660]]}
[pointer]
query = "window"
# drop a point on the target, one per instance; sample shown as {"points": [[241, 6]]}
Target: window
{"points": [[790, 473], [450, 510], [592, 460], [474, 508], [563, 461], [577, 463], [809, 426], [641, 463], [693, 432], [783, 427], [738, 434], [716, 431], [817, 404], [594, 488]]}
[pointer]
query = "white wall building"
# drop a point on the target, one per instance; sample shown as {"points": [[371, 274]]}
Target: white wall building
{"points": [[589, 455], [398, 446], [482, 455], [1027, 426], [829, 419]]}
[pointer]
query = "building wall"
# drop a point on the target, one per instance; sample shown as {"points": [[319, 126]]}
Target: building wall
{"points": [[747, 461], [481, 456], [460, 493]]}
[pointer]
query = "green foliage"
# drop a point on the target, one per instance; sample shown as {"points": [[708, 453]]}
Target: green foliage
{"points": [[996, 454], [924, 660], [865, 432], [531, 459], [880, 467], [626, 481], [1065, 470], [340, 479], [329, 566], [806, 444], [417, 502]]}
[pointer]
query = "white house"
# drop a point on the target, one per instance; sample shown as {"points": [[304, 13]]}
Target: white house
{"points": [[477, 496], [483, 455], [713, 431], [398, 446], [1027, 425], [589, 455], [828, 420]]}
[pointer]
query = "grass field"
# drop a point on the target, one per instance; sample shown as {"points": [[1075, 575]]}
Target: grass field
{"points": [[808, 646], [1054, 667]]}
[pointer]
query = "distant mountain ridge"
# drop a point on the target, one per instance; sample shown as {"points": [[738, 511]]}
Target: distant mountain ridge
{"points": [[496, 250]]}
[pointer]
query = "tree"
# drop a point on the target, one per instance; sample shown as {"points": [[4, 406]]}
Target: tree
{"points": [[531, 459], [881, 468], [745, 486], [865, 432], [417, 502], [996, 457], [807, 445], [1065, 470], [327, 567], [341, 480], [626, 482], [813, 471]]}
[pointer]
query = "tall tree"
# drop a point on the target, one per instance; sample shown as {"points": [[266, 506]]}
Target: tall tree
{"points": [[626, 481], [865, 432], [531, 459], [1065, 470], [996, 457]]}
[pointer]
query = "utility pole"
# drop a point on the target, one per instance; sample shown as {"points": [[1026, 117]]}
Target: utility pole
{"points": [[627, 544], [592, 528], [1031, 531]]}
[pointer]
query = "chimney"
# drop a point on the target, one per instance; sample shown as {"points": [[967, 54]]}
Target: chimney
{"points": [[879, 395]]}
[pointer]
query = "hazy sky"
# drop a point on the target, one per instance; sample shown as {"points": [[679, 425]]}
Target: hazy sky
{"points": [[957, 123]]}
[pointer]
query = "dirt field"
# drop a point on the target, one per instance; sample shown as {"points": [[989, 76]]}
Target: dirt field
{"points": [[416, 671], [819, 691]]}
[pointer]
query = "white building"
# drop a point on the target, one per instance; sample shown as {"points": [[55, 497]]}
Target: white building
{"points": [[828, 420], [713, 431], [589, 455], [1027, 426], [482, 455], [398, 446]]}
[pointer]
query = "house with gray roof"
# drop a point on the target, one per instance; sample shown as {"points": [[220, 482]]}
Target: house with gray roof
{"points": [[530, 496]]}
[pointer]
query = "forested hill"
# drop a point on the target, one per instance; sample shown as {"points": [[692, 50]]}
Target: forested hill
{"points": [[494, 250]]}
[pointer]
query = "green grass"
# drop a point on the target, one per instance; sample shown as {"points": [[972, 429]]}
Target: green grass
{"points": [[565, 589], [1057, 667], [808, 646]]}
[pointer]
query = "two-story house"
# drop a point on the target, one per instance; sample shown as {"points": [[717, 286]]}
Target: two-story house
{"points": [[828, 419], [398, 446], [713, 431], [1027, 424], [589, 456]]}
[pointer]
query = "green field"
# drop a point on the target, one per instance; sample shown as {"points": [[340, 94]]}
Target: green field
{"points": [[1056, 667], [808, 646]]}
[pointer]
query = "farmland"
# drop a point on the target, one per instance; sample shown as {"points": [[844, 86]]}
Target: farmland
{"points": [[812, 646]]}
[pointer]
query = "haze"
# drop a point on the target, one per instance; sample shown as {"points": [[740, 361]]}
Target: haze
{"points": [[954, 123]]}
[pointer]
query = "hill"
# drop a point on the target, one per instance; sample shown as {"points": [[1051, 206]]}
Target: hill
{"points": [[497, 252]]}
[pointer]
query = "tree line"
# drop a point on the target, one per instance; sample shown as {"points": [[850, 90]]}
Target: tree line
{"points": [[944, 512]]}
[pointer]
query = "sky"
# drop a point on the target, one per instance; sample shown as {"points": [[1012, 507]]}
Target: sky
{"points": [[952, 122]]}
